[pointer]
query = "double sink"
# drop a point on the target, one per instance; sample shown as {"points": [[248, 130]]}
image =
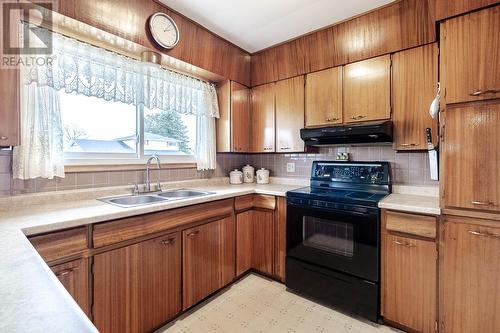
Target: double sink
{"points": [[153, 197]]}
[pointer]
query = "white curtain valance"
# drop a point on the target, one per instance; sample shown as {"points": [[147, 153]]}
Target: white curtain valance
{"points": [[92, 71]]}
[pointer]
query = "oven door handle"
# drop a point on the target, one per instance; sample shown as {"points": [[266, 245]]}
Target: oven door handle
{"points": [[331, 210]]}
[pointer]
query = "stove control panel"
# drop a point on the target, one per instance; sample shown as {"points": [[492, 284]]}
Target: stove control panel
{"points": [[351, 172]]}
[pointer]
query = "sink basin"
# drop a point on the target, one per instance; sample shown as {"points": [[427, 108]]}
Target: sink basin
{"points": [[132, 201], [180, 194]]}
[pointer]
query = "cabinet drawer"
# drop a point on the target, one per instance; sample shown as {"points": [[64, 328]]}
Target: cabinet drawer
{"points": [[57, 245], [419, 225], [129, 228], [255, 201]]}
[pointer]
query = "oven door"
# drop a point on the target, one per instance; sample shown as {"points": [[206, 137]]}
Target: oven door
{"points": [[346, 240]]}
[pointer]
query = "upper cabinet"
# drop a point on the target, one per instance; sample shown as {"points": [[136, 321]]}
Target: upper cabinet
{"points": [[470, 61], [324, 98], [471, 157], [367, 89], [262, 119], [289, 114], [414, 82], [9, 108], [232, 126]]}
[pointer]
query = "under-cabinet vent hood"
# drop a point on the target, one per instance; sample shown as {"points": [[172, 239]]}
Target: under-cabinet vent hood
{"points": [[372, 132]]}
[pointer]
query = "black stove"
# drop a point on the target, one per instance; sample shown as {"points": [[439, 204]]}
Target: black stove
{"points": [[333, 235]]}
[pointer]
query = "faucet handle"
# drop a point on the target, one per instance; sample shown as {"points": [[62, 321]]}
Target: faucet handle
{"points": [[136, 189], [158, 186]]}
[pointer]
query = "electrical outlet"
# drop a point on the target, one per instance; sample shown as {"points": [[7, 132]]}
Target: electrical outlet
{"points": [[290, 167]]}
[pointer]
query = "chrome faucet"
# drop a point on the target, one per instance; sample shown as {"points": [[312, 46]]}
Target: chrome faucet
{"points": [[148, 173]]}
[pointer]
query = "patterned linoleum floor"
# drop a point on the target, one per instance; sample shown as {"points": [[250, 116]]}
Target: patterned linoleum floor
{"points": [[255, 304]]}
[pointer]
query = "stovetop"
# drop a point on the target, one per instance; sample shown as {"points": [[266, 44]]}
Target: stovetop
{"points": [[355, 183]]}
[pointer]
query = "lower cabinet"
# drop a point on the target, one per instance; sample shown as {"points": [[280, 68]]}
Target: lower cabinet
{"points": [[409, 271], [208, 259], [470, 270], [74, 276], [137, 288], [255, 241]]}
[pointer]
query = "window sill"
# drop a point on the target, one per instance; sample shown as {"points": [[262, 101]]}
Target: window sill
{"points": [[125, 167]]}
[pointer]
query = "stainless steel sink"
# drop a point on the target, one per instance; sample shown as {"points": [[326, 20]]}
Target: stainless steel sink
{"points": [[136, 200], [183, 193]]}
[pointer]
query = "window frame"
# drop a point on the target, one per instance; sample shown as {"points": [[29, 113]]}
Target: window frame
{"points": [[138, 158]]}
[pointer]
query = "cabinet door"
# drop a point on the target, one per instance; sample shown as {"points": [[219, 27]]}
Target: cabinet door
{"points": [[470, 60], [223, 123], [289, 114], [208, 257], [240, 117], [469, 270], [263, 241], [9, 108], [137, 288], [409, 282], [280, 239], [262, 119], [367, 90], [414, 83], [472, 157], [324, 98], [74, 276], [244, 236]]}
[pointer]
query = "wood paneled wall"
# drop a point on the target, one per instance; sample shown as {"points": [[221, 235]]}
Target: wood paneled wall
{"points": [[402, 25], [197, 45], [447, 8]]}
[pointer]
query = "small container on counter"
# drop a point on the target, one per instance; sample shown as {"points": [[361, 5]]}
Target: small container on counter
{"points": [[236, 177], [262, 176], [248, 174]]}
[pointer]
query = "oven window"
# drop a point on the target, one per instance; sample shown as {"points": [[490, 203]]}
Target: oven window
{"points": [[327, 235]]}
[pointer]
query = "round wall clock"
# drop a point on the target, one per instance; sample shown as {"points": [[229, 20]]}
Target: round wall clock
{"points": [[164, 30]]}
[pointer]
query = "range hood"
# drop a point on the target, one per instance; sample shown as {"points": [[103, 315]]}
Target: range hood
{"points": [[372, 132]]}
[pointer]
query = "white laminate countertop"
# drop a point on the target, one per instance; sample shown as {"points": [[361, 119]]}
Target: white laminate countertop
{"points": [[31, 297], [413, 199]]}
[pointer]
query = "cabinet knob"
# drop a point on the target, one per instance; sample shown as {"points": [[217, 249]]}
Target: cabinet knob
{"points": [[285, 148], [169, 241], [484, 92], [66, 271], [404, 244], [193, 233], [358, 117], [410, 144], [3, 137]]}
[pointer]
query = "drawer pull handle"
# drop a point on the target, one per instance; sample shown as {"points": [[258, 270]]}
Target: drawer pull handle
{"points": [[482, 203], [169, 241], [66, 272], [193, 233], [485, 92], [410, 144], [332, 119], [285, 148], [358, 117], [403, 244], [3, 137], [483, 234]]}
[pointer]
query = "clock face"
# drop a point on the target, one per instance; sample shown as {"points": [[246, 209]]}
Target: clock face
{"points": [[164, 30]]}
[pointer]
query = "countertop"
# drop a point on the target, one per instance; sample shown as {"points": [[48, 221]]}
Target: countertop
{"points": [[31, 297], [413, 199]]}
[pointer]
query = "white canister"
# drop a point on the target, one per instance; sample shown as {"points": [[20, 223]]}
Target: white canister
{"points": [[248, 174], [262, 176], [236, 177]]}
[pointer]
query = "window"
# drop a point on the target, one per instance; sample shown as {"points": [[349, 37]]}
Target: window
{"points": [[96, 130]]}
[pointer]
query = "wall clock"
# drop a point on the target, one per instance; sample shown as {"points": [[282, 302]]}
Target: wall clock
{"points": [[164, 30]]}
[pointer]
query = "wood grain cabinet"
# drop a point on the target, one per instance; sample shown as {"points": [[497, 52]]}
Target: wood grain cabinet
{"points": [[262, 119], [469, 270], [208, 259], [367, 90], [323, 98], [471, 157], [74, 276], [9, 108], [137, 288], [233, 131], [409, 271], [470, 61], [289, 115], [414, 85]]}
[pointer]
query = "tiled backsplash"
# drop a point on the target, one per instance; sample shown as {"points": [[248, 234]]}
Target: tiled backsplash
{"points": [[407, 168]]}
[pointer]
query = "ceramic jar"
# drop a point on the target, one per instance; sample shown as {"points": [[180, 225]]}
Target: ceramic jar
{"points": [[236, 177], [248, 174], [262, 176]]}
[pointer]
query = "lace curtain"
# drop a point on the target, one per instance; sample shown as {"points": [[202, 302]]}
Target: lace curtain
{"points": [[41, 151]]}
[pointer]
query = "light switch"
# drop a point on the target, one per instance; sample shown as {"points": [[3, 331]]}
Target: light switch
{"points": [[290, 167]]}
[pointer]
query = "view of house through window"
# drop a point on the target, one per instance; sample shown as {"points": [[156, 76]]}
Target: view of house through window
{"points": [[93, 126]]}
